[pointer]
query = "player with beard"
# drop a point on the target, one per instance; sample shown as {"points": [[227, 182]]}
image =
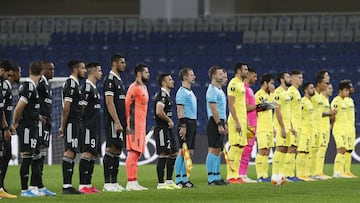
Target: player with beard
{"points": [[136, 103], [71, 122], [114, 122], [282, 124], [5, 151]]}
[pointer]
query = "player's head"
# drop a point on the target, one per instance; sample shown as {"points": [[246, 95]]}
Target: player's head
{"points": [[5, 66], [225, 78], [141, 71], [216, 74], [352, 89], [118, 62], [267, 82], [241, 70], [251, 77], [308, 89], [321, 83], [94, 69], [17, 73], [323, 73], [329, 90], [36, 68], [296, 78], [344, 89], [77, 68], [284, 79], [48, 69], [165, 80], [187, 74]]}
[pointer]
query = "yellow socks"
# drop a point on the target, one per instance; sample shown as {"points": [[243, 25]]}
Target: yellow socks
{"points": [[234, 156], [339, 163]]}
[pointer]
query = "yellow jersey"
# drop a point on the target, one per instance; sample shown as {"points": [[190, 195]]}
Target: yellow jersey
{"points": [[265, 118], [307, 116], [236, 89], [325, 120], [340, 123], [282, 98], [318, 104], [350, 107], [295, 107]]}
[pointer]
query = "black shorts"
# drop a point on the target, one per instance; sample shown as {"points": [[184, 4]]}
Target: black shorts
{"points": [[28, 138], [113, 138], [215, 140], [44, 133], [190, 133], [165, 140], [90, 141], [5, 148], [72, 134]]}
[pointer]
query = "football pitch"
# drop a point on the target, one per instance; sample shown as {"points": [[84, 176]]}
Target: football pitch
{"points": [[334, 190]]}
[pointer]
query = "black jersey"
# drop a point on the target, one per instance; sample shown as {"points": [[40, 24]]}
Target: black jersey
{"points": [[1, 101], [114, 86], [72, 93], [45, 97], [8, 101], [163, 97], [90, 98], [29, 94]]}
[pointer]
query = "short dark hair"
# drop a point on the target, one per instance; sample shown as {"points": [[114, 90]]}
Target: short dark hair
{"points": [[321, 72], [281, 76], [161, 77], [6, 65], [251, 70], [139, 68], [184, 72], [74, 63], [318, 79], [238, 66], [296, 72], [92, 65], [344, 85], [306, 85], [116, 57], [36, 68], [266, 78], [213, 70]]}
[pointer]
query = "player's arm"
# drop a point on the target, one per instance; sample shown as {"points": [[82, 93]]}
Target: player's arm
{"points": [[18, 112], [181, 116], [330, 113], [162, 115], [5, 128], [250, 107], [216, 117], [64, 117], [232, 110], [129, 99], [280, 120]]}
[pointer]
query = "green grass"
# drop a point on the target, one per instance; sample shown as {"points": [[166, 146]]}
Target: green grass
{"points": [[334, 190]]}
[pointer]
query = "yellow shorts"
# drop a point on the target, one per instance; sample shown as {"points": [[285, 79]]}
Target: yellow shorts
{"points": [[351, 138], [341, 139], [235, 137], [304, 142], [265, 140], [280, 141], [294, 139], [324, 138]]}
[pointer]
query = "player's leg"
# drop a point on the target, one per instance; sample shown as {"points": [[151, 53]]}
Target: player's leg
{"points": [[212, 134], [162, 150], [190, 140], [170, 162], [71, 135], [245, 157], [5, 156], [131, 171], [340, 141], [350, 147]]}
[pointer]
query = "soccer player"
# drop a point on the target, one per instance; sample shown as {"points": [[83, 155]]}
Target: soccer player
{"points": [[114, 122], [351, 130], [166, 146], [45, 100], [90, 142], [25, 121], [295, 109], [306, 135], [237, 121], [265, 128], [216, 127], [6, 72], [136, 104], [187, 114], [250, 79], [71, 122], [282, 124], [325, 128], [340, 129]]}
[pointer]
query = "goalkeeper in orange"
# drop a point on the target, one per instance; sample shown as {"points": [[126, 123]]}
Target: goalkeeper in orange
{"points": [[136, 104]]}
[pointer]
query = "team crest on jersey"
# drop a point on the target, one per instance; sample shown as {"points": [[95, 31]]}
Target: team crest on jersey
{"points": [[291, 97], [232, 89], [71, 92], [335, 105], [110, 85], [261, 98], [277, 97]]}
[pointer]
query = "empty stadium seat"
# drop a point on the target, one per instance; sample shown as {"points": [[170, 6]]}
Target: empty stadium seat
{"points": [[175, 25], [7, 25], [312, 23], [346, 35], [3, 39], [304, 36], [270, 23], [28, 39], [89, 25], [325, 22], [203, 25], [189, 25], [290, 36], [20, 25], [35, 25], [353, 22], [339, 22], [145, 25], [229, 24], [62, 25], [243, 23], [318, 36], [43, 39], [249, 37], [332, 36], [161, 25], [75, 25], [15, 39], [256, 23], [103, 25], [48, 25], [284, 23], [298, 22], [276, 36], [216, 24], [262, 36], [131, 25]]}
